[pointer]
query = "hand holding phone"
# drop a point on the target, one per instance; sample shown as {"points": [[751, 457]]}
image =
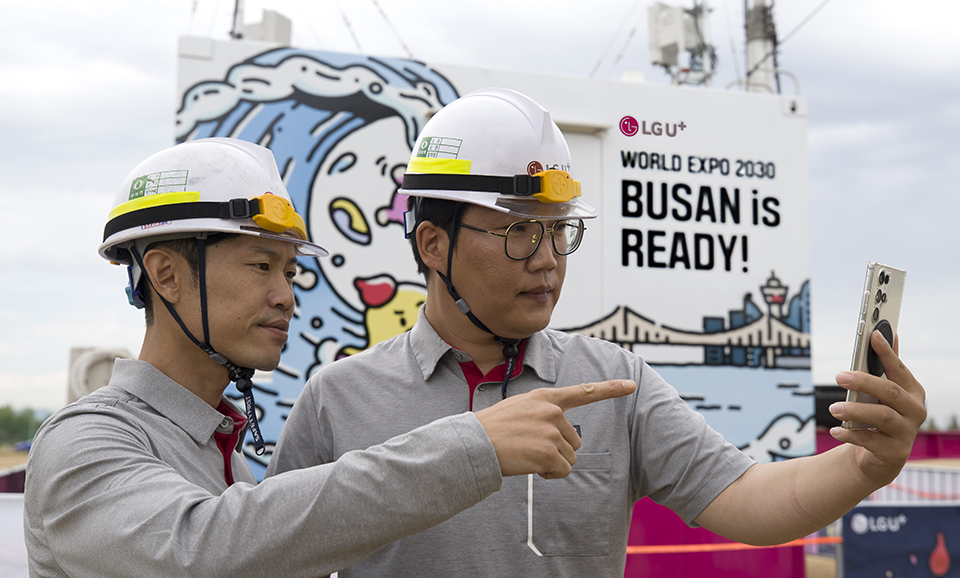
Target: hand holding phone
{"points": [[879, 310]]}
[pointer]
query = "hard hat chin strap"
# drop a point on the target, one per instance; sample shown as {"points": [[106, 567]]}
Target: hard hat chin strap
{"points": [[509, 345], [242, 376]]}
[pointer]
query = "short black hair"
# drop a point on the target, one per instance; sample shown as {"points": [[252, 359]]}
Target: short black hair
{"points": [[444, 214], [186, 247]]}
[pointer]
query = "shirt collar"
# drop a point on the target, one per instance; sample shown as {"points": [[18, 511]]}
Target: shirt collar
{"points": [[167, 397], [426, 344], [428, 348]]}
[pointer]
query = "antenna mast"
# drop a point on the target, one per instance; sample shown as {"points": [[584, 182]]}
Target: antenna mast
{"points": [[237, 31], [761, 48]]}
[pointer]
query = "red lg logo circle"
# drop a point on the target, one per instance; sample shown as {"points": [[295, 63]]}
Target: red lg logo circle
{"points": [[629, 126]]}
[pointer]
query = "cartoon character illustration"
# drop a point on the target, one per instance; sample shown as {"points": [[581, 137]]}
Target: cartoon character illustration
{"points": [[940, 557], [391, 308], [341, 127], [788, 436]]}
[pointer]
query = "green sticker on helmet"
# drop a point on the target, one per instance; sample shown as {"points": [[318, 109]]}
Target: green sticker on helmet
{"points": [[162, 182], [439, 147]]}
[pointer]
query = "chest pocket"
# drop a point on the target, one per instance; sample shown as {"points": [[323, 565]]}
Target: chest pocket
{"points": [[573, 516]]}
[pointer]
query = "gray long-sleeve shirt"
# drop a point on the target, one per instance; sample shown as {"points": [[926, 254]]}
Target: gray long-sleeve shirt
{"points": [[649, 443], [129, 481]]}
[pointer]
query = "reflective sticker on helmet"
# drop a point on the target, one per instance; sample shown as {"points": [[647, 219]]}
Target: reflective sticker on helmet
{"points": [[160, 182], [154, 200], [439, 166]]}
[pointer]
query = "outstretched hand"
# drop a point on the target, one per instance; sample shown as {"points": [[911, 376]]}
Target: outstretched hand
{"points": [[530, 433], [884, 448]]}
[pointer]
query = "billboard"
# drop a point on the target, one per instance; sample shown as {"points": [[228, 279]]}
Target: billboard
{"points": [[699, 260], [889, 540]]}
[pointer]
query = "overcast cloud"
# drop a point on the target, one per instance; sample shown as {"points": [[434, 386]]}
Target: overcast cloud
{"points": [[87, 90]]}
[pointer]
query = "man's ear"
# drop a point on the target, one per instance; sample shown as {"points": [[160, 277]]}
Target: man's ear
{"points": [[432, 243], [167, 271]]}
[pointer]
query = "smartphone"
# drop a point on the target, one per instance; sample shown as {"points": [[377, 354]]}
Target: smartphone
{"points": [[880, 310]]}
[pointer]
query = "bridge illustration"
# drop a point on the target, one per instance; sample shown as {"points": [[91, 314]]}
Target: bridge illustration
{"points": [[752, 338]]}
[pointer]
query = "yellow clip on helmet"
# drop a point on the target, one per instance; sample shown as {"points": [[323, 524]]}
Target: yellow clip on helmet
{"points": [[213, 185], [499, 149]]}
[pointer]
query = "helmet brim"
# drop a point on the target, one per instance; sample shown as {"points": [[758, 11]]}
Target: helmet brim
{"points": [[304, 248]]}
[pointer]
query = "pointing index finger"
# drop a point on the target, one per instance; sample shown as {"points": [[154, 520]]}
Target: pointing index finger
{"points": [[577, 395]]}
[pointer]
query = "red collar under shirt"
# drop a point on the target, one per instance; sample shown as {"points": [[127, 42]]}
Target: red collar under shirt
{"points": [[474, 377], [227, 442]]}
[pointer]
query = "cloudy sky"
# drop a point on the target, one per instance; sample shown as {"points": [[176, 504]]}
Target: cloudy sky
{"points": [[88, 89]]}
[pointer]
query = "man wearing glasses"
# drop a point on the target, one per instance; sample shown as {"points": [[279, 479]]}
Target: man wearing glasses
{"points": [[494, 214], [144, 477]]}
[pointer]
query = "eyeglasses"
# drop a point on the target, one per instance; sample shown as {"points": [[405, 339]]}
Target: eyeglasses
{"points": [[522, 238]]}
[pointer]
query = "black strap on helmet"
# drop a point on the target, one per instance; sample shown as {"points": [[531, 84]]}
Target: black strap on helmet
{"points": [[510, 349], [520, 185], [232, 209], [241, 375]]}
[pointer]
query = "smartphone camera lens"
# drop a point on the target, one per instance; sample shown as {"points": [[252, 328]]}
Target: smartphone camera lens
{"points": [[879, 295], [884, 278], [876, 314]]}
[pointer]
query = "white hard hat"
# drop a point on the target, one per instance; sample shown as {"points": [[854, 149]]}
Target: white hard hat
{"points": [[213, 185], [499, 149]]}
